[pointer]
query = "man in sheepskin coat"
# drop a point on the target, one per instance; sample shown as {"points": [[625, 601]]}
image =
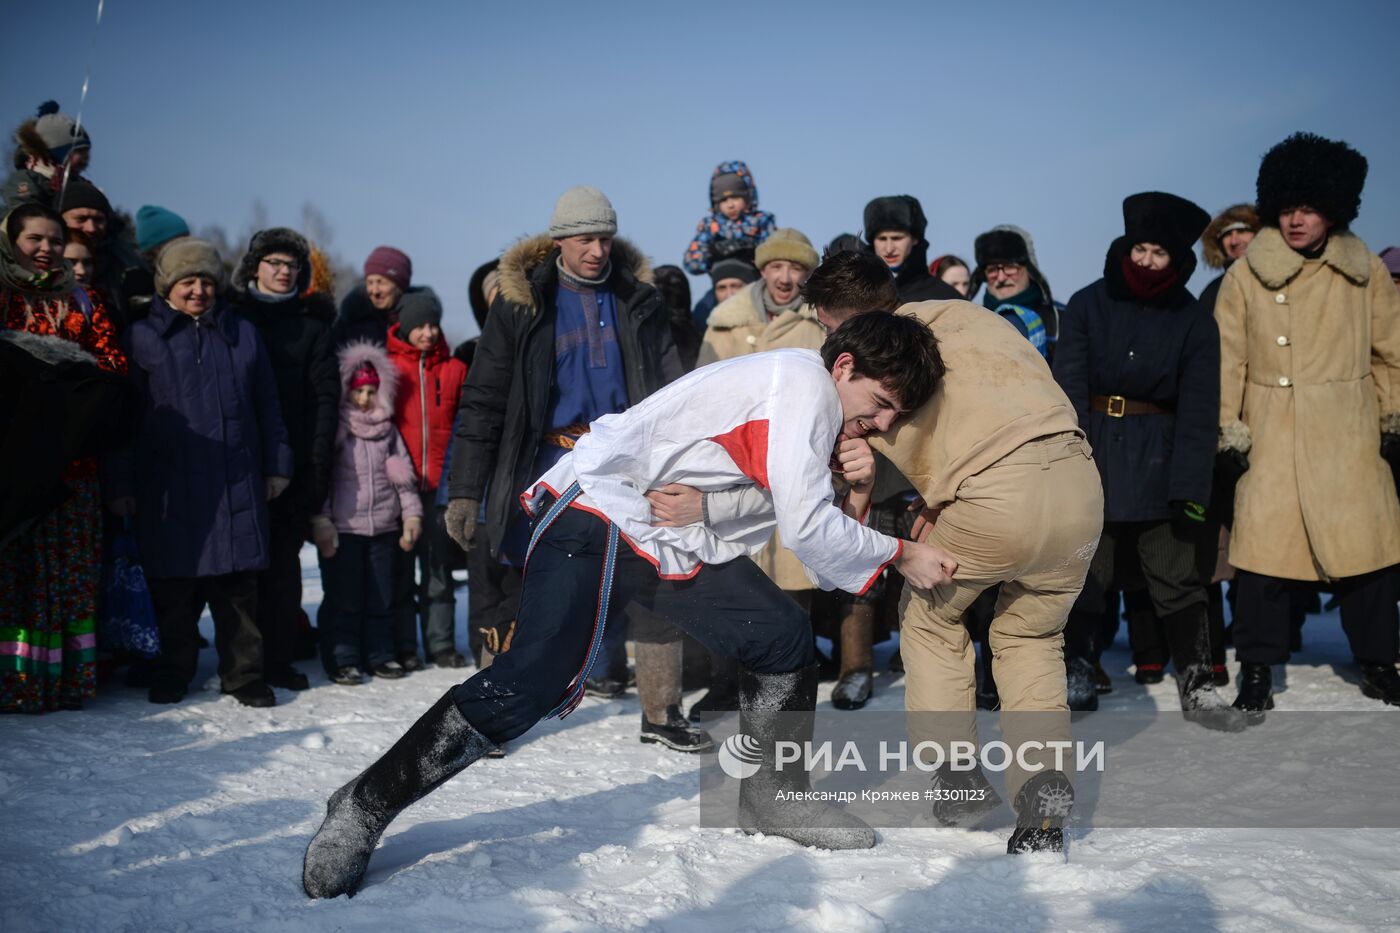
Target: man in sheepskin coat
{"points": [[1310, 417]]}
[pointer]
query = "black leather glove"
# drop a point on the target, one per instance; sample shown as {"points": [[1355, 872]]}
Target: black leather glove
{"points": [[1188, 518], [1231, 464], [1390, 449]]}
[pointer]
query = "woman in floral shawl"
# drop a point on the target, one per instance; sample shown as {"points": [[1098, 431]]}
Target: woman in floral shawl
{"points": [[49, 572]]}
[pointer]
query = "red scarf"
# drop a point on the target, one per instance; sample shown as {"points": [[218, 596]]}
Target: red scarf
{"points": [[1146, 283]]}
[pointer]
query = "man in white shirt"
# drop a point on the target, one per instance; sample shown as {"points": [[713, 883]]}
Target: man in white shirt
{"points": [[771, 424]]}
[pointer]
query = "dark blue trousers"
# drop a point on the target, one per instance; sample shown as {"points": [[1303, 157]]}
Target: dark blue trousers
{"points": [[362, 584], [732, 609]]}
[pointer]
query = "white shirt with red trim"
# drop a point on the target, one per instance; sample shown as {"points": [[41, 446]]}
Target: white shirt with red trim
{"points": [[765, 419]]}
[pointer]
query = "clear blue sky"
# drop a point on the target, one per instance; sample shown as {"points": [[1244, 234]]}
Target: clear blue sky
{"points": [[448, 129]]}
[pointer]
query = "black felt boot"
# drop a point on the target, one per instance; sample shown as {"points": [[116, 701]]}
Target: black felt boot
{"points": [[437, 746], [1188, 635], [774, 708]]}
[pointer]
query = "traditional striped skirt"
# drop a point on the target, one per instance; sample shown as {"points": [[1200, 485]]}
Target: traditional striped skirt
{"points": [[48, 607]]}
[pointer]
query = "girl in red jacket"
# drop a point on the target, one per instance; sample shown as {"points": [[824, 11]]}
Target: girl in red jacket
{"points": [[430, 382]]}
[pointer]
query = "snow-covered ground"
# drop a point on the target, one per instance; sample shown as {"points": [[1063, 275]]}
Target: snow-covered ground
{"points": [[129, 816]]}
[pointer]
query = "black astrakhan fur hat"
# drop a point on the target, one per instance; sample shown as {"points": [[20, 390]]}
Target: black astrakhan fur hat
{"points": [[1171, 222], [1307, 170], [901, 212]]}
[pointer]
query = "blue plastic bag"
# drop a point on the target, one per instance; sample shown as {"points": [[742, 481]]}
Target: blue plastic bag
{"points": [[130, 621]]}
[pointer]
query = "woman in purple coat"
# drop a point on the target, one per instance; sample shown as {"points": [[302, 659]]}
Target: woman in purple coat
{"points": [[210, 452]]}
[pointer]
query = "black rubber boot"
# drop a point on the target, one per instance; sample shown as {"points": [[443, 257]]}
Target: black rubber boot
{"points": [[1042, 806], [774, 708], [437, 746], [1256, 691], [1188, 635], [676, 732]]}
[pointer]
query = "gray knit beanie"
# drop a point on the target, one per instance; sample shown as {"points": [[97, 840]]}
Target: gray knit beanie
{"points": [[185, 257], [417, 307], [583, 210]]}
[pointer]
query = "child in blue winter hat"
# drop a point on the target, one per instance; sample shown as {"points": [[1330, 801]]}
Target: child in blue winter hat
{"points": [[734, 225]]}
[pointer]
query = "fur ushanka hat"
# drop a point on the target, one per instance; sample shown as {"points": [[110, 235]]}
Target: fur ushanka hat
{"points": [[1307, 170], [269, 241]]}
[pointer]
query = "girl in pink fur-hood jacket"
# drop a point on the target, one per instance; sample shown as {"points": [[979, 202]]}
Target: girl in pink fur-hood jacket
{"points": [[371, 489], [372, 485]]}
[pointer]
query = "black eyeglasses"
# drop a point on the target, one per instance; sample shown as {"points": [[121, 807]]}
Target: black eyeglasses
{"points": [[289, 264]]}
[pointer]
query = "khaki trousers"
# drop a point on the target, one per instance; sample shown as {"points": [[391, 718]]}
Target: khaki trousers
{"points": [[1031, 522]]}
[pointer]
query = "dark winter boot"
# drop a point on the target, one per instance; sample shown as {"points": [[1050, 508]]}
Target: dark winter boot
{"points": [[1188, 636], [857, 683], [1079, 685], [723, 695], [659, 688], [1256, 691], [437, 746], [962, 798], [1042, 806], [1149, 673], [1381, 682], [780, 707], [675, 732]]}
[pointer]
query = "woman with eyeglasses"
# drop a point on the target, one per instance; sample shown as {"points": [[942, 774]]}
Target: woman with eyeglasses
{"points": [[271, 288]]}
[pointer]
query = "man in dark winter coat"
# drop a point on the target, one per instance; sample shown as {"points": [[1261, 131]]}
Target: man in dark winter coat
{"points": [[894, 231], [121, 272], [1137, 357], [576, 333], [268, 290], [371, 307], [1015, 287]]}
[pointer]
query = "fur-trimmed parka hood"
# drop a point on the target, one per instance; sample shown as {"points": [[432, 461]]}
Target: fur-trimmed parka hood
{"points": [[521, 263], [1227, 219], [354, 355], [1275, 263]]}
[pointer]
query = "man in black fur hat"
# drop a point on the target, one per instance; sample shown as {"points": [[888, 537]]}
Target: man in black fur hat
{"points": [[1310, 418], [894, 231]]}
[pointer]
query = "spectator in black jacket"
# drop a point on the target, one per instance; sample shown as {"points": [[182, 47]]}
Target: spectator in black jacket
{"points": [[1140, 359], [268, 290], [894, 231], [576, 333]]}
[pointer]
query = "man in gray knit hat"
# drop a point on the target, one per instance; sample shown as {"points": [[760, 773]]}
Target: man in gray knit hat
{"points": [[576, 332]]}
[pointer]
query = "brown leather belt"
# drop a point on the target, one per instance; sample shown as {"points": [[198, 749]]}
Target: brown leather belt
{"points": [[1116, 406], [566, 437]]}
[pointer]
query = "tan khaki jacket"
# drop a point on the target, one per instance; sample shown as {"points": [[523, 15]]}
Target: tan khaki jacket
{"points": [[997, 395], [1310, 371]]}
